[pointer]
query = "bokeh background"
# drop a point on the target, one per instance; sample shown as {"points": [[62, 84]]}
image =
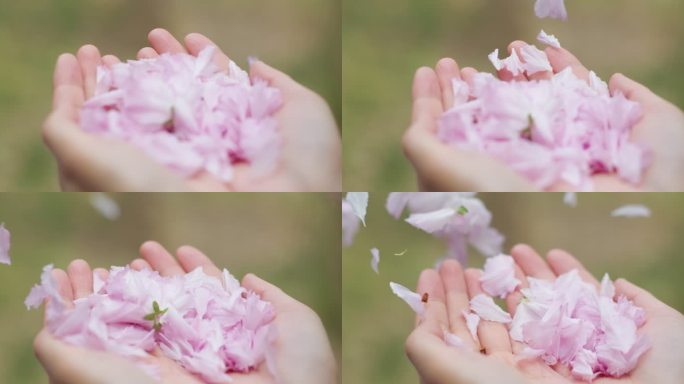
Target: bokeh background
{"points": [[300, 37], [291, 240], [646, 251], [385, 41]]}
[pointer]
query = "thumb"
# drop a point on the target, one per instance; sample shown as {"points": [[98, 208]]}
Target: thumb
{"points": [[637, 295], [269, 292], [633, 90], [274, 77]]}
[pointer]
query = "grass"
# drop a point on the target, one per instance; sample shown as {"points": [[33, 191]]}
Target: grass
{"points": [[300, 37], [375, 323], [291, 240], [385, 41]]}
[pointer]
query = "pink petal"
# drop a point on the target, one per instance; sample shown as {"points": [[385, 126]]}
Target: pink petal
{"points": [[498, 278], [485, 307], [411, 298], [432, 222], [5, 238], [550, 8], [375, 259], [547, 39], [359, 204], [472, 321], [632, 210]]}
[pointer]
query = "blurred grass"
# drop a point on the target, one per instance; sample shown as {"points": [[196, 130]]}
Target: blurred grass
{"points": [[291, 240], [300, 37], [385, 41], [647, 251]]}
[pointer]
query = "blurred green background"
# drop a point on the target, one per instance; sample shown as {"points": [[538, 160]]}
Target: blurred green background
{"points": [[300, 37], [385, 41], [291, 240], [647, 251]]}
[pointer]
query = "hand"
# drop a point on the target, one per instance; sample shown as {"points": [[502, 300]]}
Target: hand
{"points": [[302, 354], [441, 167], [492, 359], [310, 157]]}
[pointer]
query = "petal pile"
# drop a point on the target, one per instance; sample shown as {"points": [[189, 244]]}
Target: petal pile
{"points": [[569, 321], [209, 326], [187, 114], [460, 219], [562, 129]]}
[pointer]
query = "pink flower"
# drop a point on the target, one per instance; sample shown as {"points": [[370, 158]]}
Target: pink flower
{"points": [[210, 326], [4, 245], [550, 8], [187, 114], [498, 278]]}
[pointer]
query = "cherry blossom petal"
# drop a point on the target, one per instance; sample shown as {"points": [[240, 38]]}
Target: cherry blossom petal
{"points": [[498, 278], [5, 238], [375, 259], [632, 210], [414, 300], [485, 307]]}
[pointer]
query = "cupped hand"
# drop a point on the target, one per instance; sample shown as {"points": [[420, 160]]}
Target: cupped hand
{"points": [[440, 167], [491, 358], [309, 161], [302, 352]]}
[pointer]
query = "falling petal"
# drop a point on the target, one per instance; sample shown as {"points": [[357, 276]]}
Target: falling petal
{"points": [[359, 204], [104, 204], [632, 210], [414, 300], [375, 259]]}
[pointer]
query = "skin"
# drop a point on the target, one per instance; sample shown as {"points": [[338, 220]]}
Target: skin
{"points": [[310, 158], [440, 167], [492, 359], [302, 350]]}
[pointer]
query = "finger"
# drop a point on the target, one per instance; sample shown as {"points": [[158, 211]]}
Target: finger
{"points": [[493, 336], [147, 53], [160, 259], [89, 59], [102, 273], [275, 78], [447, 70], [110, 60], [633, 90], [140, 264], [561, 58], [196, 42], [531, 263], [504, 74], [456, 301], [63, 284], [81, 277], [68, 86], [467, 74], [430, 285], [639, 296], [164, 42], [513, 298], [190, 258], [427, 98], [562, 262], [269, 292]]}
